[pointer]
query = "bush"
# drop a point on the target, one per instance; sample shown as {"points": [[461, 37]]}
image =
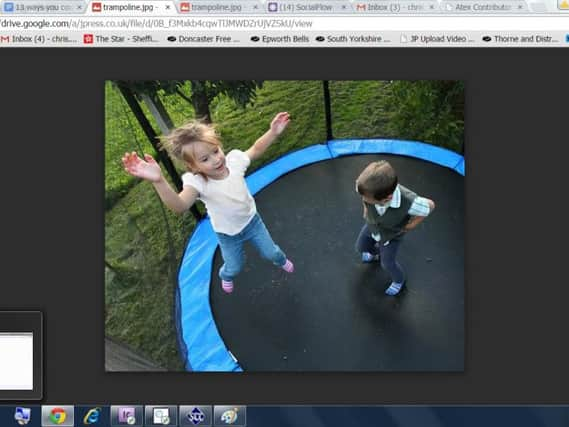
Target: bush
{"points": [[428, 111]]}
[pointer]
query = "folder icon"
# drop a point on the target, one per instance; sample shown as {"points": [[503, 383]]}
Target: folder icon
{"points": [[563, 4]]}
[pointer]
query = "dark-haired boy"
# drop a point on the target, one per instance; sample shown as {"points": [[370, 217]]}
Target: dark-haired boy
{"points": [[390, 210]]}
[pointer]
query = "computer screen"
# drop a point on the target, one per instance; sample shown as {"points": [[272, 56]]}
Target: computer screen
{"points": [[283, 213]]}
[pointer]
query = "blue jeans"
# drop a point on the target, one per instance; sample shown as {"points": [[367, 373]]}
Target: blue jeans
{"points": [[387, 254], [232, 248]]}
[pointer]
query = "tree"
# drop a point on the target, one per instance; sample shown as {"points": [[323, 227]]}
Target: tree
{"points": [[428, 110], [199, 93], [202, 92]]}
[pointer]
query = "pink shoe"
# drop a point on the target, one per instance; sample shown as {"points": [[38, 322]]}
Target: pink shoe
{"points": [[227, 286], [288, 266]]}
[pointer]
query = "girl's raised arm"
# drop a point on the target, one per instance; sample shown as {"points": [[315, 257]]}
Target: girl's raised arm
{"points": [[278, 125], [149, 170]]}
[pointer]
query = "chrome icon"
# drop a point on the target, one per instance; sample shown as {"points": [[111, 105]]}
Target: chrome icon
{"points": [[57, 415]]}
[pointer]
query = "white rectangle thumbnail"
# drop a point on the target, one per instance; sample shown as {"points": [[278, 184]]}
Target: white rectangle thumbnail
{"points": [[16, 361]]}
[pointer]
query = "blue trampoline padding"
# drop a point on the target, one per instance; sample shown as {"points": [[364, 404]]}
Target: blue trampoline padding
{"points": [[205, 348], [419, 150], [271, 172], [460, 166]]}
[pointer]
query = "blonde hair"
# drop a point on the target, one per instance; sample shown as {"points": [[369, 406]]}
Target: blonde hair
{"points": [[377, 180], [178, 143]]}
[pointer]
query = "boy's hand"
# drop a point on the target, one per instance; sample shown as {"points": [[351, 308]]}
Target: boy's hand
{"points": [[146, 169], [413, 222], [280, 122]]}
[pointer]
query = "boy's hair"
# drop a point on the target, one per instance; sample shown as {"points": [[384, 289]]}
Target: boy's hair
{"points": [[377, 180], [179, 141]]}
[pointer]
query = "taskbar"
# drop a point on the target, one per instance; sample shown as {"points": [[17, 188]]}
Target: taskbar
{"points": [[136, 415]]}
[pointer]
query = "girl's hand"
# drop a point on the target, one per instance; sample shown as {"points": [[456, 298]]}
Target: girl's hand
{"points": [[280, 122], [146, 169]]}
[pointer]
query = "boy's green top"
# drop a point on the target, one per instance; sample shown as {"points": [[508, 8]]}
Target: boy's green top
{"points": [[390, 224]]}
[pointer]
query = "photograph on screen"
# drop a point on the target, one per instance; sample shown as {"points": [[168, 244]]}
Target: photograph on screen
{"points": [[284, 225]]}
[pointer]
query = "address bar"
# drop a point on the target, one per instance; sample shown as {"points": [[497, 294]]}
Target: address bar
{"points": [[391, 23]]}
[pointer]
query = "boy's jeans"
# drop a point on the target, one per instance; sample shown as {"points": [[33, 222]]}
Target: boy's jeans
{"points": [[232, 248], [387, 254]]}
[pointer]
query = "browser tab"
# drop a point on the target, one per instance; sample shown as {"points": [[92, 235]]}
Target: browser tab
{"points": [[43, 7], [130, 8], [307, 7], [402, 7], [484, 6], [206, 7]]}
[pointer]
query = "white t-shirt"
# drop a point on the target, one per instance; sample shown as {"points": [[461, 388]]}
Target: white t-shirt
{"points": [[228, 201]]}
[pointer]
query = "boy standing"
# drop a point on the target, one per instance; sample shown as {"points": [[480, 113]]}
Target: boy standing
{"points": [[390, 210]]}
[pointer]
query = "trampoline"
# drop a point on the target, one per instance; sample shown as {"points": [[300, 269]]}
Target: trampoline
{"points": [[331, 314]]}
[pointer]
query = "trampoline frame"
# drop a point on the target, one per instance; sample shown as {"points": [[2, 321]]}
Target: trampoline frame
{"points": [[198, 337]]}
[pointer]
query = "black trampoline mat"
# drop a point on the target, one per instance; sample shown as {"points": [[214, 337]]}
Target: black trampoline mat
{"points": [[331, 314]]}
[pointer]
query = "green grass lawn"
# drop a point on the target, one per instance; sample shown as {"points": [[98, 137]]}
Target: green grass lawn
{"points": [[144, 242]]}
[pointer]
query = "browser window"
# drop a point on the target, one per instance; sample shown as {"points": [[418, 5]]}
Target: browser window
{"points": [[283, 212]]}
